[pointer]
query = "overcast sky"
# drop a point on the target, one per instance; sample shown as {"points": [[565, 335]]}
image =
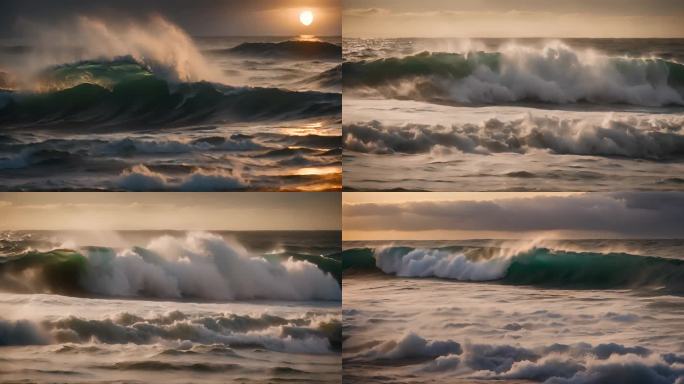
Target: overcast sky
{"points": [[178, 211], [446, 216], [513, 18], [197, 17]]}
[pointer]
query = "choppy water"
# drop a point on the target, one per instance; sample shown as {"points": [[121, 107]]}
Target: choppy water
{"points": [[453, 314], [129, 307], [239, 114], [578, 114]]}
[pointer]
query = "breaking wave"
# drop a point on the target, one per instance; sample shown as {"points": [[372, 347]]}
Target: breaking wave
{"points": [[307, 334], [555, 74], [541, 267], [103, 73], [125, 92], [645, 138], [140, 178], [200, 266], [580, 363]]}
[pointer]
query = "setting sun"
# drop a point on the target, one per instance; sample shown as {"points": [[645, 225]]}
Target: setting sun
{"points": [[306, 17]]}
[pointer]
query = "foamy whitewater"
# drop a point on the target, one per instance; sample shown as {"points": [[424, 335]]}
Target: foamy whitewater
{"points": [[160, 306], [575, 311], [498, 115], [101, 105]]}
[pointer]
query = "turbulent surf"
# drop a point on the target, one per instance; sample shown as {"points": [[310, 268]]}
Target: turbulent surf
{"points": [[154, 84], [169, 267], [496, 114], [153, 305], [547, 311]]}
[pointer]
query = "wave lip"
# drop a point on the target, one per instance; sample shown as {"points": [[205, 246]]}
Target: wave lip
{"points": [[289, 50], [554, 74]]}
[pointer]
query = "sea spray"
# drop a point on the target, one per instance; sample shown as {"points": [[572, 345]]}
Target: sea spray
{"points": [[155, 42], [200, 265], [555, 74]]}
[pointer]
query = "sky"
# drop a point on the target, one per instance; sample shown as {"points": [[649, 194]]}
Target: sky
{"points": [[447, 216], [170, 211], [196, 17], [513, 18]]}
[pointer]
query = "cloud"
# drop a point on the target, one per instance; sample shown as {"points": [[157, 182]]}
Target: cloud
{"points": [[646, 214], [364, 12]]}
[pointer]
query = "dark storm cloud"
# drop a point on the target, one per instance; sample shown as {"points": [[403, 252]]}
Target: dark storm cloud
{"points": [[198, 17], [632, 214]]}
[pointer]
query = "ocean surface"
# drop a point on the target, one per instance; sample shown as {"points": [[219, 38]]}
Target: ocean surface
{"points": [[157, 110], [513, 115], [485, 311], [168, 307]]}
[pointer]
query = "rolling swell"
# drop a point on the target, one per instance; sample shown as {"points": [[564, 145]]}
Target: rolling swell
{"points": [[288, 50], [540, 267], [200, 266], [122, 92], [555, 74]]}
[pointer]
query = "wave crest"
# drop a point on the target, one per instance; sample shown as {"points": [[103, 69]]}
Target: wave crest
{"points": [[144, 99], [644, 138], [555, 73], [531, 266], [554, 364], [200, 265], [311, 333]]}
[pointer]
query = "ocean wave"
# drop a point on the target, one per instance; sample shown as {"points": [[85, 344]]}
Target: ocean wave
{"points": [[555, 74], [122, 94], [553, 364], [654, 138], [310, 333], [303, 50], [541, 267], [19, 154], [329, 80], [21, 332], [75, 151], [200, 266], [140, 178]]}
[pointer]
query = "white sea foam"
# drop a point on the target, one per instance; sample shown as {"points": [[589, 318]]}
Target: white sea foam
{"points": [[206, 266], [646, 137]]}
